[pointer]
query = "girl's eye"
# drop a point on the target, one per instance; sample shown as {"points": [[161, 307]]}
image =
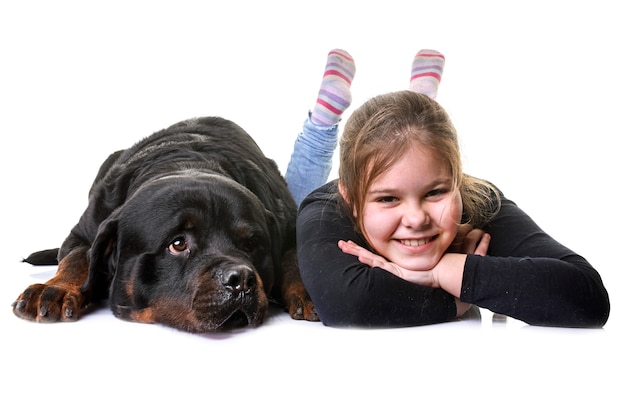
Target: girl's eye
{"points": [[436, 192], [388, 199], [178, 245]]}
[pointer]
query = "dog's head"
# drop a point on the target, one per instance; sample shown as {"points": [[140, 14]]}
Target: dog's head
{"points": [[198, 253]]}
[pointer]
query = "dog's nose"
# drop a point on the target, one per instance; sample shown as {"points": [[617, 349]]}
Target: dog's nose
{"points": [[239, 278]]}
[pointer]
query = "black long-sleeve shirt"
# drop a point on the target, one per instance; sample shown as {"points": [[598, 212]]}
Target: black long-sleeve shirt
{"points": [[526, 275]]}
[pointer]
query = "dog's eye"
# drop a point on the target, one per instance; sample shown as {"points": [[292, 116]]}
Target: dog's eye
{"points": [[178, 245], [249, 244]]}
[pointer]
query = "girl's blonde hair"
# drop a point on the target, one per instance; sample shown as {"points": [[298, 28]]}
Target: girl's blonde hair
{"points": [[381, 130]]}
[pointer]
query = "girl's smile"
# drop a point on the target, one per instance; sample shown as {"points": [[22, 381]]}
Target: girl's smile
{"points": [[416, 242]]}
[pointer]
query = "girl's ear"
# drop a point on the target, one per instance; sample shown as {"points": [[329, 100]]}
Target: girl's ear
{"points": [[344, 195], [342, 192]]}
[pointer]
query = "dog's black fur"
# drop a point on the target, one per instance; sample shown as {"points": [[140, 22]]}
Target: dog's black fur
{"points": [[192, 227]]}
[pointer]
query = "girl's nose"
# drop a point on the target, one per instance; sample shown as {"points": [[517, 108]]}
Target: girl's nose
{"points": [[415, 216]]}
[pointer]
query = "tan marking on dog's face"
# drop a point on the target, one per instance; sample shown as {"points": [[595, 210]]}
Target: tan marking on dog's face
{"points": [[185, 317], [129, 287], [145, 315]]}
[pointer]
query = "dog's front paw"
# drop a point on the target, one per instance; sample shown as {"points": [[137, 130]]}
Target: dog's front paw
{"points": [[299, 305], [295, 298], [49, 303]]}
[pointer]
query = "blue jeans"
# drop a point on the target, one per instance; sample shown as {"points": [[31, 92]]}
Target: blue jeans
{"points": [[311, 159]]}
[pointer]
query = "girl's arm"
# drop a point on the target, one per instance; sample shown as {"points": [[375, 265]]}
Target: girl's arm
{"points": [[527, 275], [530, 276]]}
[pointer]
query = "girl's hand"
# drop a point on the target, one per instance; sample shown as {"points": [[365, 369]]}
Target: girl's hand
{"points": [[470, 241], [446, 274], [367, 257], [364, 255]]}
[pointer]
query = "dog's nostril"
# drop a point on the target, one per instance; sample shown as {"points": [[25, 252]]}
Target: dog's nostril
{"points": [[239, 279]]}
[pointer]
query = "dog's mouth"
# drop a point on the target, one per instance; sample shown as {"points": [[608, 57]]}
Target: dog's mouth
{"points": [[238, 319], [228, 312]]}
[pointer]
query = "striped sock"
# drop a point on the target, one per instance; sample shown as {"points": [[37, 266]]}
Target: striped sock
{"points": [[426, 72], [334, 96]]}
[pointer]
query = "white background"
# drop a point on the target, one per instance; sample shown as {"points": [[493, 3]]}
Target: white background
{"points": [[535, 89]]}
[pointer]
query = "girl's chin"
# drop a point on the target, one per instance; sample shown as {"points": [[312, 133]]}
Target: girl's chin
{"points": [[422, 267], [416, 265], [416, 261]]}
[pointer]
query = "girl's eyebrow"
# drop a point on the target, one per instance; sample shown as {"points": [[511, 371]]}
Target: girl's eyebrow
{"points": [[386, 191], [438, 182], [432, 185]]}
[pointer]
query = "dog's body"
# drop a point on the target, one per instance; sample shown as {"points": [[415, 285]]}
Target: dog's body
{"points": [[192, 227]]}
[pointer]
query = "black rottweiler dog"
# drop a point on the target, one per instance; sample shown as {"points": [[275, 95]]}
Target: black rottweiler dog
{"points": [[192, 227]]}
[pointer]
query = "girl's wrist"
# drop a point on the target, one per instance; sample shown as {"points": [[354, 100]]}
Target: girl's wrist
{"points": [[448, 274]]}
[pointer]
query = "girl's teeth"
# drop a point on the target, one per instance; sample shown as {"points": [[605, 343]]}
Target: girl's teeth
{"points": [[414, 242]]}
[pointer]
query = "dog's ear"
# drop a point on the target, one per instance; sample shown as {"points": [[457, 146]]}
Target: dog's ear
{"points": [[103, 257], [276, 241]]}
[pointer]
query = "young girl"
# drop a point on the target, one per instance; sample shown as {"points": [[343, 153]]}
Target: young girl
{"points": [[405, 238]]}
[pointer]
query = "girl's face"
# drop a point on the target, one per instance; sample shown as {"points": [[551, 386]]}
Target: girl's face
{"points": [[411, 214]]}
